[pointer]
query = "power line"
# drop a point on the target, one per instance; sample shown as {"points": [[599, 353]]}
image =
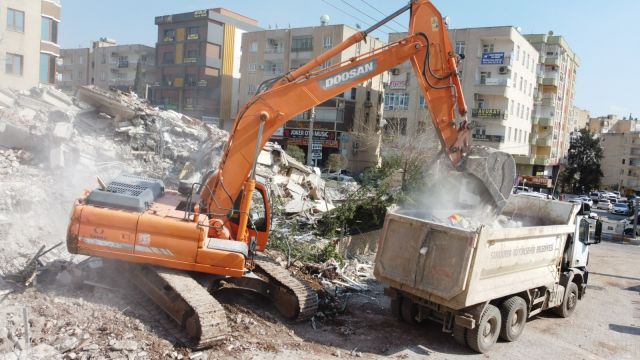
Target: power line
{"points": [[352, 16], [367, 15], [404, 27]]}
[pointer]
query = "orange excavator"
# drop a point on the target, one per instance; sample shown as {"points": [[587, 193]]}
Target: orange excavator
{"points": [[187, 247]]}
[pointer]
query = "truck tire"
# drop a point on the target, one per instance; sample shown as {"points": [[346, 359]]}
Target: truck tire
{"points": [[482, 337], [459, 334], [408, 311], [514, 318], [569, 302]]}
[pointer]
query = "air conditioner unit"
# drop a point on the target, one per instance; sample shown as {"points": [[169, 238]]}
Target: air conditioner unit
{"points": [[395, 71], [503, 69]]}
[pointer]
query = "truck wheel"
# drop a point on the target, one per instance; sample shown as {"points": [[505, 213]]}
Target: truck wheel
{"points": [[482, 337], [514, 317], [459, 334], [569, 302], [409, 311]]}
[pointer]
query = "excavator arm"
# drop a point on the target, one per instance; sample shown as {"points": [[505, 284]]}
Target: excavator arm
{"points": [[428, 48]]}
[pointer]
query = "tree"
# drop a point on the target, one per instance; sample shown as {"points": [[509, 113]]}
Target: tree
{"points": [[336, 162], [583, 172], [296, 152]]}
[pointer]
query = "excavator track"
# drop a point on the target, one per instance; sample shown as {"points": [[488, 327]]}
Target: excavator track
{"points": [[199, 314], [294, 299]]}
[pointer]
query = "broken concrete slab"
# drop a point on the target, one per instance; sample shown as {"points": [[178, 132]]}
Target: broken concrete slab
{"points": [[63, 131], [297, 206], [264, 158]]}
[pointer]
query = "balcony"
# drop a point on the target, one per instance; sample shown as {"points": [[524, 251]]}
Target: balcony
{"points": [[549, 101], [494, 82], [543, 140], [550, 82], [541, 121], [552, 60], [123, 64]]}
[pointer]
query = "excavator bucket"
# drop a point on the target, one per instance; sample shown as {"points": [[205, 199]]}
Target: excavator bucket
{"points": [[494, 172]]}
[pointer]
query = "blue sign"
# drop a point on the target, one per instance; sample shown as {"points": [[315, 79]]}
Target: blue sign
{"points": [[493, 58]]}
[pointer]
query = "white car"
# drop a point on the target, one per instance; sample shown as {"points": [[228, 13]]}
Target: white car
{"points": [[620, 209], [586, 199], [604, 204]]}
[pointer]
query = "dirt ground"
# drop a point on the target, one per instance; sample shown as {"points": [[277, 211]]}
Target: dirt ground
{"points": [[71, 318]]}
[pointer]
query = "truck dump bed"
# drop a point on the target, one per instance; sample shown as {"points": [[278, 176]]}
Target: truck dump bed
{"points": [[457, 268]]}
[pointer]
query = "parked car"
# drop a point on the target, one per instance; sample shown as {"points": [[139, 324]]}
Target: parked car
{"points": [[617, 193], [594, 195], [587, 200], [620, 209], [604, 204]]}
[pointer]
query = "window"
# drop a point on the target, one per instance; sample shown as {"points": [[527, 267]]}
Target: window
{"points": [[123, 61], [460, 45], [192, 33], [302, 43], [521, 83], [515, 79], [167, 79], [517, 52], [358, 48], [509, 133], [487, 48], [326, 43], [253, 47], [80, 59], [622, 161], [423, 103], [169, 35], [80, 75], [192, 56], [47, 68], [168, 57], [484, 75], [252, 89], [104, 59], [326, 64], [49, 30], [15, 20], [143, 59], [190, 80], [275, 69], [13, 64], [511, 107], [252, 67], [353, 93], [528, 113], [396, 101], [103, 76]]}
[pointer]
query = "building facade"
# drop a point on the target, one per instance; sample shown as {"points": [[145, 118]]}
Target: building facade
{"points": [[579, 119], [108, 66], [498, 81], [198, 63], [74, 69], [555, 83], [621, 161], [347, 124], [602, 124], [29, 42], [123, 67]]}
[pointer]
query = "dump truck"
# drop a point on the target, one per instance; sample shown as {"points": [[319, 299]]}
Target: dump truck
{"points": [[484, 282]]}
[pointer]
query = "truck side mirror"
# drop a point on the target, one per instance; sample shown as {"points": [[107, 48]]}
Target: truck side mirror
{"points": [[583, 232]]}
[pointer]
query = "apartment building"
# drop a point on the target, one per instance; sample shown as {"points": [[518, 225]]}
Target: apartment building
{"points": [[123, 67], [109, 66], [198, 63], [602, 124], [555, 79], [347, 124], [579, 119], [621, 161], [29, 42], [74, 69]]}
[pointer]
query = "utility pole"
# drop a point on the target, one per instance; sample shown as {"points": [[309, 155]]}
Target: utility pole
{"points": [[312, 116], [635, 219]]}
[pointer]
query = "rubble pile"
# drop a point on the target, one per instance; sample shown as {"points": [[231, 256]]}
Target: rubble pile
{"points": [[299, 189]]}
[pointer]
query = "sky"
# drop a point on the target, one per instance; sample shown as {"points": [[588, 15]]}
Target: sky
{"points": [[601, 33]]}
